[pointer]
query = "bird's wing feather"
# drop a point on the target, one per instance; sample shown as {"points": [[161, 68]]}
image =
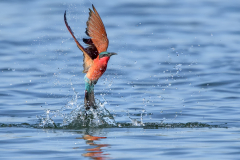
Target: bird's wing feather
{"points": [[97, 33], [87, 58]]}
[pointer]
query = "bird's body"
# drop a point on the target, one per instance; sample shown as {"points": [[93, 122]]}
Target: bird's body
{"points": [[98, 68], [95, 55]]}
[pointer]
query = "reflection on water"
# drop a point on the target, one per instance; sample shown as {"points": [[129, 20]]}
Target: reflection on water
{"points": [[96, 152]]}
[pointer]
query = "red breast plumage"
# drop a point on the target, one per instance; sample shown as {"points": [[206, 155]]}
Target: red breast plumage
{"points": [[98, 68]]}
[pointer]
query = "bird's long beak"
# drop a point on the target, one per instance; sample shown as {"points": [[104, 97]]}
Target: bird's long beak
{"points": [[112, 53]]}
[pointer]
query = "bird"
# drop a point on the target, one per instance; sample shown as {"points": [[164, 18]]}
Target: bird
{"points": [[95, 55]]}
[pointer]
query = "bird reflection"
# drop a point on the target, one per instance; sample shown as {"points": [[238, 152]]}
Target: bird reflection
{"points": [[96, 152]]}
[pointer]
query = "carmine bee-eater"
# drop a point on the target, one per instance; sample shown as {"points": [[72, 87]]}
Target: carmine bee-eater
{"points": [[95, 55]]}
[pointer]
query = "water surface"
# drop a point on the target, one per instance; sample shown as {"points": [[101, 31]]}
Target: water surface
{"points": [[172, 90]]}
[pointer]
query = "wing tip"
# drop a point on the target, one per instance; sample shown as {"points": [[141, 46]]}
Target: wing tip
{"points": [[66, 23], [90, 11], [65, 13], [93, 7]]}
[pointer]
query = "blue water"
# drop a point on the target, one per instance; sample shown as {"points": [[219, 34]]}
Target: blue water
{"points": [[172, 92]]}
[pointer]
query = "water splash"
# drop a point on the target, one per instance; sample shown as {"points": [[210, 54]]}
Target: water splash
{"points": [[75, 115], [137, 117], [178, 67], [80, 117], [46, 119], [148, 125]]}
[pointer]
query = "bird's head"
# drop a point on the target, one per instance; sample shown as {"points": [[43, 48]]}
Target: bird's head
{"points": [[106, 54]]}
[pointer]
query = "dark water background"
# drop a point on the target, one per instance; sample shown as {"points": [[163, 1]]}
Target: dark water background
{"points": [[173, 89]]}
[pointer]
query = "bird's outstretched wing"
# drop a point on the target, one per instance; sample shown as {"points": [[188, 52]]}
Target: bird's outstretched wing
{"points": [[88, 59], [98, 41]]}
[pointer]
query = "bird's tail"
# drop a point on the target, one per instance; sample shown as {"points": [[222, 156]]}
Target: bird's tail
{"points": [[89, 99]]}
